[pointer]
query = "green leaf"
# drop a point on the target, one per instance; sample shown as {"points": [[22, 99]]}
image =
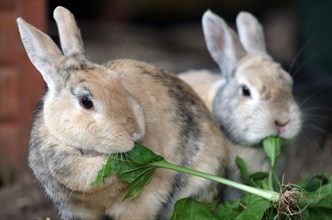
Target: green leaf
{"points": [[132, 167], [189, 208], [318, 204], [254, 179], [254, 207], [258, 179], [258, 176], [249, 207], [229, 210], [138, 183], [272, 147], [142, 155], [321, 198], [321, 214], [244, 173], [315, 182], [102, 174]]}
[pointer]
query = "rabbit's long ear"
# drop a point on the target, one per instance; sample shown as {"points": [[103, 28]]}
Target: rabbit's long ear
{"points": [[42, 51], [70, 35], [251, 33], [222, 43]]}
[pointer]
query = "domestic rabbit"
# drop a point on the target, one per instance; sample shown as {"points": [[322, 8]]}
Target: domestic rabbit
{"points": [[252, 97], [90, 111]]}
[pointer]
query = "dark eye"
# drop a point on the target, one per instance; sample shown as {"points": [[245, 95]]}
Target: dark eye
{"points": [[86, 103], [245, 91]]}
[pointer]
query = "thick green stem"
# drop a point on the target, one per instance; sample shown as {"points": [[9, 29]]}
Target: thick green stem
{"points": [[269, 195]]}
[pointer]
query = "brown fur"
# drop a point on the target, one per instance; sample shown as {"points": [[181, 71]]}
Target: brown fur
{"points": [[131, 102]]}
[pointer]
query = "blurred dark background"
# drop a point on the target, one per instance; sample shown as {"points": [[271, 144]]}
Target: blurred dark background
{"points": [[167, 34]]}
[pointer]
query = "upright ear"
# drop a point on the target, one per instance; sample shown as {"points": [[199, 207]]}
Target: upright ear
{"points": [[70, 35], [42, 51], [251, 33], [222, 43]]}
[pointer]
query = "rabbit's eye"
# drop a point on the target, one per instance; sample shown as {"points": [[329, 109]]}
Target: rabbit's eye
{"points": [[245, 91], [86, 103]]}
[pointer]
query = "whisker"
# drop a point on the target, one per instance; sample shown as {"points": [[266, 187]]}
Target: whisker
{"points": [[313, 139], [127, 40], [319, 120], [310, 109], [109, 155], [113, 161], [300, 51], [294, 74], [127, 154], [76, 184], [137, 53], [315, 93], [317, 128], [310, 138], [89, 176], [317, 115], [122, 158], [316, 119]]}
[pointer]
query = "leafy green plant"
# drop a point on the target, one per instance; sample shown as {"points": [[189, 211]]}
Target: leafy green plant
{"points": [[136, 168], [311, 199], [133, 167]]}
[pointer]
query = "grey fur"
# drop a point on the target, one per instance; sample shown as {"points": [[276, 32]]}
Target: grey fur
{"points": [[134, 102]]}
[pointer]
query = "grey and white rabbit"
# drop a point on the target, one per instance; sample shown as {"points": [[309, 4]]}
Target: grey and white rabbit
{"points": [[252, 97], [90, 111]]}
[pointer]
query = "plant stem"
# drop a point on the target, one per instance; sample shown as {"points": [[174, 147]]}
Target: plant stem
{"points": [[269, 195], [270, 179]]}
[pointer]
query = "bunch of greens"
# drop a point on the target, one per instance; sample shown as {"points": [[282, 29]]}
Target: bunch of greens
{"points": [[265, 197]]}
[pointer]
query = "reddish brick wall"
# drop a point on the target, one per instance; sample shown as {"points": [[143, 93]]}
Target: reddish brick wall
{"points": [[21, 84]]}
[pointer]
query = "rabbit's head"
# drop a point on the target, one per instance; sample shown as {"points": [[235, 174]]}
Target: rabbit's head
{"points": [[85, 105], [254, 99]]}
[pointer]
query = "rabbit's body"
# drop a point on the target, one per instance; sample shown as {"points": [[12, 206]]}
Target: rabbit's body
{"points": [[204, 83], [91, 111], [252, 98]]}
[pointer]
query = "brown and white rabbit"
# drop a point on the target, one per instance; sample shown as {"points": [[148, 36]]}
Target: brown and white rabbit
{"points": [[90, 111], [252, 97]]}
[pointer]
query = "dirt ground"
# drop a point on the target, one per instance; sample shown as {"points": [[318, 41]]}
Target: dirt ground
{"points": [[25, 200]]}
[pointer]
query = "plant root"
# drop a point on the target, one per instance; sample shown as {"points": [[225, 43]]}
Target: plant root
{"points": [[289, 200]]}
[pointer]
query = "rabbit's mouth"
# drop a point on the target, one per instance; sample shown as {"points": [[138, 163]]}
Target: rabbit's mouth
{"points": [[116, 145], [256, 138]]}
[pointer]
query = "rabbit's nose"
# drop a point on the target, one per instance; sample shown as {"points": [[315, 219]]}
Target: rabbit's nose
{"points": [[280, 126], [281, 123], [137, 136]]}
